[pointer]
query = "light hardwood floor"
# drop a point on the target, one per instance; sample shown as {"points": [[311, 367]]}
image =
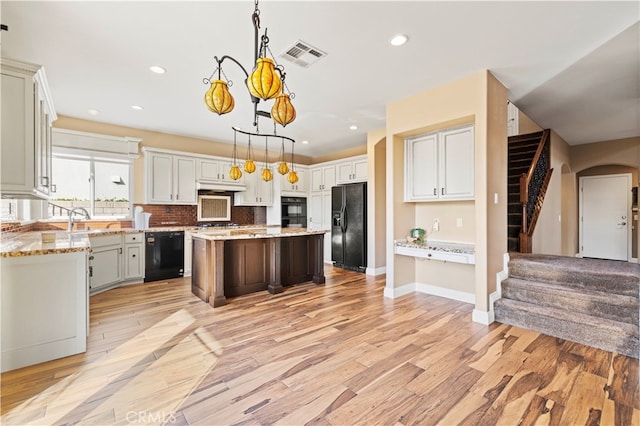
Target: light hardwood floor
{"points": [[338, 354]]}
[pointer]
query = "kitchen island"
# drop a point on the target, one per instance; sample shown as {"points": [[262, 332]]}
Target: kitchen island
{"points": [[234, 262]]}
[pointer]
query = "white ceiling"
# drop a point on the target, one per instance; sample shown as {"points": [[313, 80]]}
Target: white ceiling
{"points": [[571, 66]]}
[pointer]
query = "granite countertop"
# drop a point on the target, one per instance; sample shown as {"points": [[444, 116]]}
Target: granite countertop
{"points": [[30, 244], [253, 232], [443, 246]]}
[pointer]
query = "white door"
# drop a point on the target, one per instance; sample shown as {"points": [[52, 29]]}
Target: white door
{"points": [[604, 213]]}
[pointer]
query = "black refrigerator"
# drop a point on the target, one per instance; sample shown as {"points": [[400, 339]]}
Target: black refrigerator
{"points": [[349, 226]]}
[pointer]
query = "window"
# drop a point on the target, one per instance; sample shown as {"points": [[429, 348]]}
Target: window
{"points": [[102, 186]]}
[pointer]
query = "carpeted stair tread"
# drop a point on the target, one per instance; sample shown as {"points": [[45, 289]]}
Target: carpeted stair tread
{"points": [[578, 327], [605, 275], [613, 306]]}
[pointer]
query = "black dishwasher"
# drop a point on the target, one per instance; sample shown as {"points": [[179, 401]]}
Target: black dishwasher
{"points": [[164, 255]]}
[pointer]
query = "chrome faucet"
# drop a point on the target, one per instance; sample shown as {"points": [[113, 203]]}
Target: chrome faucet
{"points": [[72, 212]]}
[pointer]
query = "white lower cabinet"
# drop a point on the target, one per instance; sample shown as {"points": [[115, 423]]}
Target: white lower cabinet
{"points": [[44, 308], [320, 218], [134, 256], [105, 262], [115, 259]]}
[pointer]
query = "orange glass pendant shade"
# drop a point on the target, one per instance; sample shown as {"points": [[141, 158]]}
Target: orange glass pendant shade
{"points": [[235, 172], [249, 166], [264, 82], [293, 177], [218, 98], [266, 174], [283, 111], [283, 168]]}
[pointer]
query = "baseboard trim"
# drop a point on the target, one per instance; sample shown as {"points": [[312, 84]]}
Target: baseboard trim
{"points": [[376, 271], [433, 290], [488, 317], [482, 317]]}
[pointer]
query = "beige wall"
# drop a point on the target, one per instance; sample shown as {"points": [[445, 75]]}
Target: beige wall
{"points": [[624, 152], [351, 152], [478, 99], [548, 233], [527, 125], [376, 199]]}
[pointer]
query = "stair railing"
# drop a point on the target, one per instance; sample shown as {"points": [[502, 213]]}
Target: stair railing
{"points": [[533, 187]]}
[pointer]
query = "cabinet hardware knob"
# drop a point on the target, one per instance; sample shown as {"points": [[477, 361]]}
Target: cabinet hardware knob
{"points": [[435, 191], [442, 191], [133, 255], [54, 188], [45, 181]]}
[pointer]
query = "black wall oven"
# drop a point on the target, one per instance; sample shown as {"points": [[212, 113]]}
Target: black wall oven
{"points": [[164, 255], [294, 212]]}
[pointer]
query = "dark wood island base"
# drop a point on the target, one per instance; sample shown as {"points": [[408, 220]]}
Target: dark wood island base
{"points": [[244, 263]]}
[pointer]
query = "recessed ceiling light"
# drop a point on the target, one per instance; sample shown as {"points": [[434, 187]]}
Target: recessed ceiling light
{"points": [[157, 69], [353, 127], [137, 107], [398, 40], [304, 142], [93, 112]]}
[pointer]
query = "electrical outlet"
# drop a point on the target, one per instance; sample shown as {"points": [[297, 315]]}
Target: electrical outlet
{"points": [[436, 225], [459, 222]]}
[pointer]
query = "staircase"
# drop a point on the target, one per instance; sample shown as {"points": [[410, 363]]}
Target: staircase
{"points": [[588, 301], [527, 179]]}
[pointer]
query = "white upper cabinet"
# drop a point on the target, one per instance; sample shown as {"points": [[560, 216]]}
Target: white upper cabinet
{"points": [[27, 116], [298, 189], [258, 192], [354, 170], [322, 178], [170, 179], [440, 166], [216, 171]]}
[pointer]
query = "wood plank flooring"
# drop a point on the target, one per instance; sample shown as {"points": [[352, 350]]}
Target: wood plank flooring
{"points": [[338, 354]]}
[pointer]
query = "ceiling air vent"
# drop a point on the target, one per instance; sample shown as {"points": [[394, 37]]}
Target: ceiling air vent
{"points": [[303, 54]]}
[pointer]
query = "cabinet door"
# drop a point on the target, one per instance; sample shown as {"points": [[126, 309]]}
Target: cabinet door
{"points": [[328, 177], [265, 192], [316, 211], [133, 267], [106, 267], [184, 171], [344, 172], [326, 224], [421, 168], [457, 164], [316, 179], [360, 170], [160, 178], [18, 126], [297, 188], [208, 170]]}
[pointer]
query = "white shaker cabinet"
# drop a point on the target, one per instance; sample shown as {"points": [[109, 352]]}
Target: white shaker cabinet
{"points": [[439, 166], [27, 117], [134, 256], [258, 192], [354, 170], [322, 178], [44, 308], [105, 262], [170, 179], [298, 189]]}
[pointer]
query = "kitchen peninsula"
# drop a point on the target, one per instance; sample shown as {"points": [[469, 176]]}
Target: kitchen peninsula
{"points": [[234, 262]]}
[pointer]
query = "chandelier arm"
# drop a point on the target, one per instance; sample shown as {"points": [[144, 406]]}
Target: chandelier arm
{"points": [[219, 61], [267, 135]]}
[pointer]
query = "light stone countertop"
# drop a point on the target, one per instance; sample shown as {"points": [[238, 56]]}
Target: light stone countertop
{"points": [[30, 243]]}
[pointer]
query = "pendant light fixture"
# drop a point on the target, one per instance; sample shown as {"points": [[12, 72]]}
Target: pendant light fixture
{"points": [[293, 176], [283, 168], [235, 172], [266, 81], [266, 174]]}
